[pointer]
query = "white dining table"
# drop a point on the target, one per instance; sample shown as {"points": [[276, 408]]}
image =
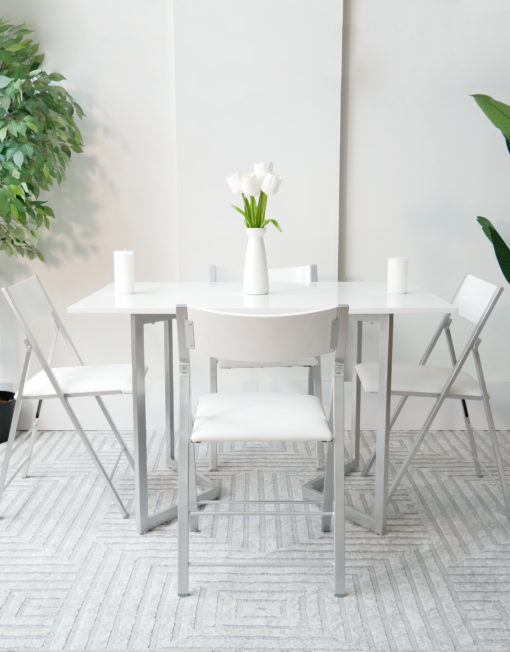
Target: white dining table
{"points": [[156, 301]]}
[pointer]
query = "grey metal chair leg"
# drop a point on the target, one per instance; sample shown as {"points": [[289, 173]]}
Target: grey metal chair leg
{"points": [[339, 505], [9, 446], [329, 488], [492, 431], [366, 469], [184, 521], [192, 483], [115, 431], [315, 388], [14, 422], [94, 457], [213, 388], [471, 439], [426, 426], [33, 436], [497, 456]]}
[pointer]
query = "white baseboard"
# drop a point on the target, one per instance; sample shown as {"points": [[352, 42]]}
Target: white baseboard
{"points": [[450, 417]]}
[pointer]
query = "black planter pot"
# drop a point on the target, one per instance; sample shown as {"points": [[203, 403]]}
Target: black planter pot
{"points": [[6, 410]]}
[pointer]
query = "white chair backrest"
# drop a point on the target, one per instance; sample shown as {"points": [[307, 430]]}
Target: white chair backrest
{"points": [[261, 338], [475, 297], [29, 300], [303, 274], [30, 303]]}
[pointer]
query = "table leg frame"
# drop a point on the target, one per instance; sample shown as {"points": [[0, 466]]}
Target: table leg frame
{"points": [[312, 490], [211, 491]]}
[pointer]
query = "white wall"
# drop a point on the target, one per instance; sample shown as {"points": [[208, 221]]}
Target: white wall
{"points": [[258, 81], [423, 161], [118, 60]]}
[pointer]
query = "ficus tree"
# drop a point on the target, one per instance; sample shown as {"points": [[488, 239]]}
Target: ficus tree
{"points": [[38, 134], [499, 114]]}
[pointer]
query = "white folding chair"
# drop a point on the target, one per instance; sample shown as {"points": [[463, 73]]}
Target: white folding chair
{"points": [[303, 274], [30, 304], [475, 300], [261, 416]]}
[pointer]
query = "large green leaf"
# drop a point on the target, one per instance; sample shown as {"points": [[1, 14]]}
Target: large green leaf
{"points": [[500, 247], [497, 112]]}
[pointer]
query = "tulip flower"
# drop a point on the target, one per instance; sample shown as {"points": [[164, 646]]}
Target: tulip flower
{"points": [[255, 187], [261, 169], [250, 185], [235, 182], [270, 183]]}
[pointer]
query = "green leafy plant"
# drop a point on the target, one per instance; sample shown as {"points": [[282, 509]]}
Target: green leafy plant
{"points": [[499, 114], [38, 133]]}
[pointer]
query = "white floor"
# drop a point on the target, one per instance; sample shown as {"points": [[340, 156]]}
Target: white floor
{"points": [[76, 576]]}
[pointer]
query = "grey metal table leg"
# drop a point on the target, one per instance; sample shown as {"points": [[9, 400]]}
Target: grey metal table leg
{"points": [[356, 394], [313, 489], [169, 391], [210, 490], [139, 420], [383, 425]]}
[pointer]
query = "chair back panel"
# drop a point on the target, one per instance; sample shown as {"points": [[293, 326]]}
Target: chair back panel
{"points": [[474, 297], [263, 338], [29, 300], [304, 274]]}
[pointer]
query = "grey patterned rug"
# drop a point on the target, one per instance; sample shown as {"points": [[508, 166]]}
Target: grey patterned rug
{"points": [[75, 576]]}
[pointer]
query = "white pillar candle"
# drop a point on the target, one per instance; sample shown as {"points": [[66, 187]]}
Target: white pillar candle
{"points": [[397, 275], [124, 271]]}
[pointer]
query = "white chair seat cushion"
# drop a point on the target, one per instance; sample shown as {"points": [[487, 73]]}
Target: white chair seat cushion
{"points": [[260, 417], [418, 379], [233, 364], [82, 381]]}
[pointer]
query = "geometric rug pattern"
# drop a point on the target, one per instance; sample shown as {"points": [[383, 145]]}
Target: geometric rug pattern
{"points": [[74, 575]]}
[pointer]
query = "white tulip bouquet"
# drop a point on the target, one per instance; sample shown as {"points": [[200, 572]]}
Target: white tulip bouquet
{"points": [[255, 187]]}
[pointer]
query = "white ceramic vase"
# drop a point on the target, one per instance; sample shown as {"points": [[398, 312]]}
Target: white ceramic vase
{"points": [[255, 266]]}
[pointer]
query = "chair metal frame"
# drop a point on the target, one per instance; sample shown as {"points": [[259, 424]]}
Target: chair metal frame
{"points": [[39, 307], [333, 503], [303, 274], [471, 348]]}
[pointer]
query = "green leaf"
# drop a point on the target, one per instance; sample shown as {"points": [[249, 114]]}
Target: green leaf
{"points": [[12, 128], [247, 211], [3, 134], [238, 209], [500, 248], [497, 112], [253, 214], [17, 190], [18, 158], [266, 222], [4, 81]]}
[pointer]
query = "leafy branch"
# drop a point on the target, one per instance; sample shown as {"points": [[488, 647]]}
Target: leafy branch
{"points": [[38, 134]]}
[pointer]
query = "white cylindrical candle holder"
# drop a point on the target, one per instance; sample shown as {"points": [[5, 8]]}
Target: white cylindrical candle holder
{"points": [[397, 275], [124, 272]]}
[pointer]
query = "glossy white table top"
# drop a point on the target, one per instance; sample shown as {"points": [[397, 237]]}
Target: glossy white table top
{"points": [[363, 298]]}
